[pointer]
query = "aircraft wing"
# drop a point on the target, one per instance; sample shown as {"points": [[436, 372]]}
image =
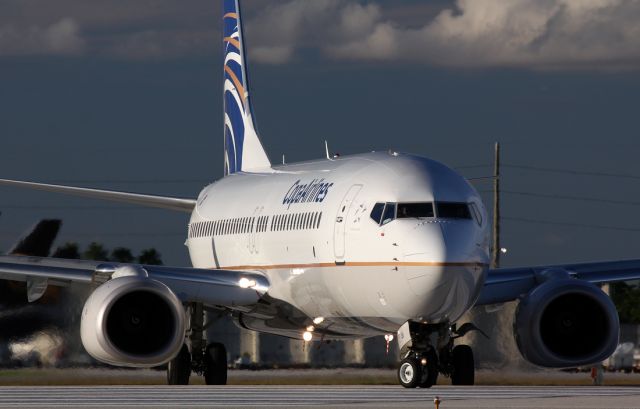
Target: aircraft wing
{"points": [[162, 202], [221, 288], [507, 284]]}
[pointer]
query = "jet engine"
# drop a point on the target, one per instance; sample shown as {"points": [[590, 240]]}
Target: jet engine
{"points": [[566, 322], [133, 321]]}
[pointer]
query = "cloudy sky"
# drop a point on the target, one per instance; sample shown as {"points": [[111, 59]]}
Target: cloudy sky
{"points": [[127, 95]]}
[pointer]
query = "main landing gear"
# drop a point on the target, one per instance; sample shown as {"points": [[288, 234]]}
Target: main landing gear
{"points": [[196, 356], [428, 350]]}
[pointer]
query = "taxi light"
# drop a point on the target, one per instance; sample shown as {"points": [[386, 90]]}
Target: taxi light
{"points": [[310, 328], [388, 337]]}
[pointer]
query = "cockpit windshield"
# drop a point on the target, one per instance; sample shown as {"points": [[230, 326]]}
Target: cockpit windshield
{"points": [[383, 213], [453, 210], [409, 210]]}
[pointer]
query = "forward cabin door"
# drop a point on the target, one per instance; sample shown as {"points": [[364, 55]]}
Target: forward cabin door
{"points": [[341, 221]]}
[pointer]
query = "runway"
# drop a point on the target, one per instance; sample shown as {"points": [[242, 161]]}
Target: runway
{"points": [[317, 396]]}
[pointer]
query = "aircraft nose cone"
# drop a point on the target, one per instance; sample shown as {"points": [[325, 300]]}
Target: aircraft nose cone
{"points": [[443, 268]]}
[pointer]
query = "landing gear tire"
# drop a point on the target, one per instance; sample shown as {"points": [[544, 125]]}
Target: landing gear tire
{"points": [[463, 365], [179, 368], [429, 371], [409, 373], [215, 360]]}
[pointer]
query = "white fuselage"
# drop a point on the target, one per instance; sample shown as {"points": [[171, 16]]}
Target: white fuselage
{"points": [[307, 228]]}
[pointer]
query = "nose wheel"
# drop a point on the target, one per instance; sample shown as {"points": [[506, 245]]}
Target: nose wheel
{"points": [[422, 363], [419, 370], [409, 373]]}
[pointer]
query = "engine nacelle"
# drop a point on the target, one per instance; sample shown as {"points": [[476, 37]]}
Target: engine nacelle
{"points": [[133, 321], [566, 322]]}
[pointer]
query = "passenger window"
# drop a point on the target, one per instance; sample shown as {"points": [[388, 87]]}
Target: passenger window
{"points": [[376, 212], [389, 213], [453, 210], [415, 210]]}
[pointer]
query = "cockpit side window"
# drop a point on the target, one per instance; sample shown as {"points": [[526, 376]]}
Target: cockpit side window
{"points": [[376, 212], [452, 210], [415, 210], [476, 213], [389, 213]]}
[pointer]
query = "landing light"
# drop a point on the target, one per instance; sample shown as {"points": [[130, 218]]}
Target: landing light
{"points": [[388, 337], [318, 320], [503, 250], [246, 283], [307, 336], [311, 328]]}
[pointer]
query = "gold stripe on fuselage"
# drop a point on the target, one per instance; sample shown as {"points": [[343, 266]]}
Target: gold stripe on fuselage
{"points": [[358, 264]]}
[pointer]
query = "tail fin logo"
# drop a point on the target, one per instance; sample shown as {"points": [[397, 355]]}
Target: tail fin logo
{"points": [[243, 149]]}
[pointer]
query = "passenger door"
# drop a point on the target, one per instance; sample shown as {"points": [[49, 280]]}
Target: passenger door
{"points": [[341, 221]]}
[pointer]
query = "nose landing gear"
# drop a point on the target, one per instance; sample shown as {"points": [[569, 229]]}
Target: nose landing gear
{"points": [[421, 364]]}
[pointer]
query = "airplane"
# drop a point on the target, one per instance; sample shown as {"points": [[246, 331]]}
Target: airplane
{"points": [[21, 318], [337, 248]]}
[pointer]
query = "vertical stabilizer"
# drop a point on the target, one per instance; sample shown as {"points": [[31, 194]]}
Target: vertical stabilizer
{"points": [[243, 150], [39, 240]]}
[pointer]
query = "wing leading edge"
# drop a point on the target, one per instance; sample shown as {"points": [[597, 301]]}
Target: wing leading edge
{"points": [[162, 202], [222, 288], [508, 284]]}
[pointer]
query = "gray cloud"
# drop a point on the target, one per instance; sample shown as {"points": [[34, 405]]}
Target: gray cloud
{"points": [[547, 34], [61, 37], [520, 33], [542, 34]]}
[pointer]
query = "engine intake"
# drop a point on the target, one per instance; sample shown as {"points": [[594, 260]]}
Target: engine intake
{"points": [[566, 322], [133, 321]]}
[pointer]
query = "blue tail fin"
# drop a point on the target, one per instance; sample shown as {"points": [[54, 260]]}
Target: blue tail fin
{"points": [[243, 150]]}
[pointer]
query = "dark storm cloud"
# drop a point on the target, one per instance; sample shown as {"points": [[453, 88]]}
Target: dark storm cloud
{"points": [[111, 28], [548, 34], [545, 34]]}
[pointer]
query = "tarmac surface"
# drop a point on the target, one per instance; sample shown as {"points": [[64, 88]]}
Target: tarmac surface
{"points": [[273, 396]]}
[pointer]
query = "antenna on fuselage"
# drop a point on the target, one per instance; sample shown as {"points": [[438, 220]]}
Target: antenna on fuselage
{"points": [[283, 161], [326, 149]]}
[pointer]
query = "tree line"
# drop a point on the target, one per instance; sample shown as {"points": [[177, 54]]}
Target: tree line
{"points": [[97, 251]]}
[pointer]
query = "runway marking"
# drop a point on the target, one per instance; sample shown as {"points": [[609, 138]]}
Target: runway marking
{"points": [[217, 396]]}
